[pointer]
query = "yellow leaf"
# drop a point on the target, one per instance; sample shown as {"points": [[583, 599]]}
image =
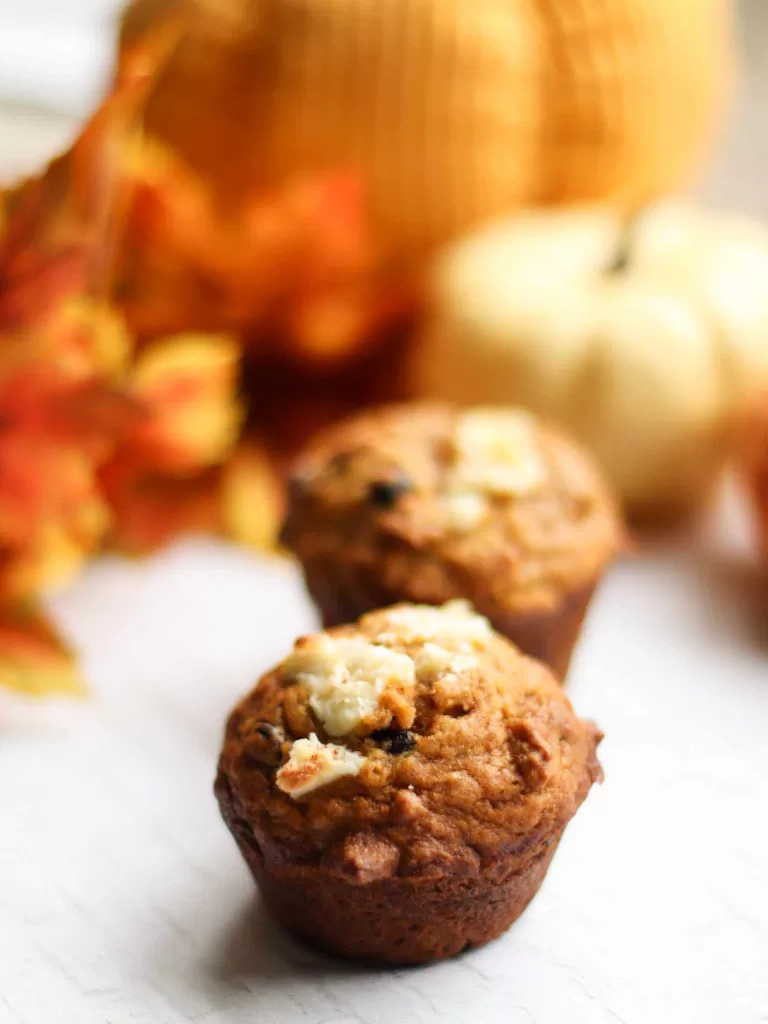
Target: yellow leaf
{"points": [[188, 383], [54, 560], [251, 499], [95, 338], [34, 660], [51, 514]]}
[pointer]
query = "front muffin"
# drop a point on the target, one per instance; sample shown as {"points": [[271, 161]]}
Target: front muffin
{"points": [[398, 787], [426, 503]]}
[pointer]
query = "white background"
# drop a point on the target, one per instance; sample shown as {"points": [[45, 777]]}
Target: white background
{"points": [[124, 900], [55, 53]]}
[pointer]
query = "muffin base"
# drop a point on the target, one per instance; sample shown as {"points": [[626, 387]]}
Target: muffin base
{"points": [[394, 921], [549, 635]]}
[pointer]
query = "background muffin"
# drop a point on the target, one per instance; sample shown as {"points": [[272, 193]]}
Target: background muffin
{"points": [[754, 464], [426, 503], [398, 787]]}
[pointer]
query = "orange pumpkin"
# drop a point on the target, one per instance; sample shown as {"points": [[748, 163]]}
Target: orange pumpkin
{"points": [[455, 111]]}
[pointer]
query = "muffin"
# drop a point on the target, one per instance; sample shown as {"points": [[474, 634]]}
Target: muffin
{"points": [[754, 465], [426, 503], [398, 787]]}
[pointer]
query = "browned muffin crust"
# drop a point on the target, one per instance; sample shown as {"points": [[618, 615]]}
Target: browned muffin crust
{"points": [[423, 502], [463, 774]]}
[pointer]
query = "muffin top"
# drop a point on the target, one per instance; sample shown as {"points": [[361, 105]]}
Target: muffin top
{"points": [[417, 741], [487, 504]]}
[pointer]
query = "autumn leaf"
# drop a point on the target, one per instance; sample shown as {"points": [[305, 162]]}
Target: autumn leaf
{"points": [[187, 385], [149, 509], [163, 478], [63, 356], [34, 659], [251, 498]]}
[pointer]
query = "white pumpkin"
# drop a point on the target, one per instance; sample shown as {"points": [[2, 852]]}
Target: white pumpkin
{"points": [[644, 339]]}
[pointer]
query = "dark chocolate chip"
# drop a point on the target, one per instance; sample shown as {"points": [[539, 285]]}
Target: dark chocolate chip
{"points": [[263, 746], [395, 741], [386, 493]]}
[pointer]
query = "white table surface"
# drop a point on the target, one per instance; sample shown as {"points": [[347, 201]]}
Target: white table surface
{"points": [[123, 899]]}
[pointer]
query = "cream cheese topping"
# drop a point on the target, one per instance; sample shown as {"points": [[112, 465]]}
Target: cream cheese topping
{"points": [[346, 678], [421, 623], [312, 764], [496, 453]]}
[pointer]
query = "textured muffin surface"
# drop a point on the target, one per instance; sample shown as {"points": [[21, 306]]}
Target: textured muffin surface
{"points": [[417, 744], [425, 502]]}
